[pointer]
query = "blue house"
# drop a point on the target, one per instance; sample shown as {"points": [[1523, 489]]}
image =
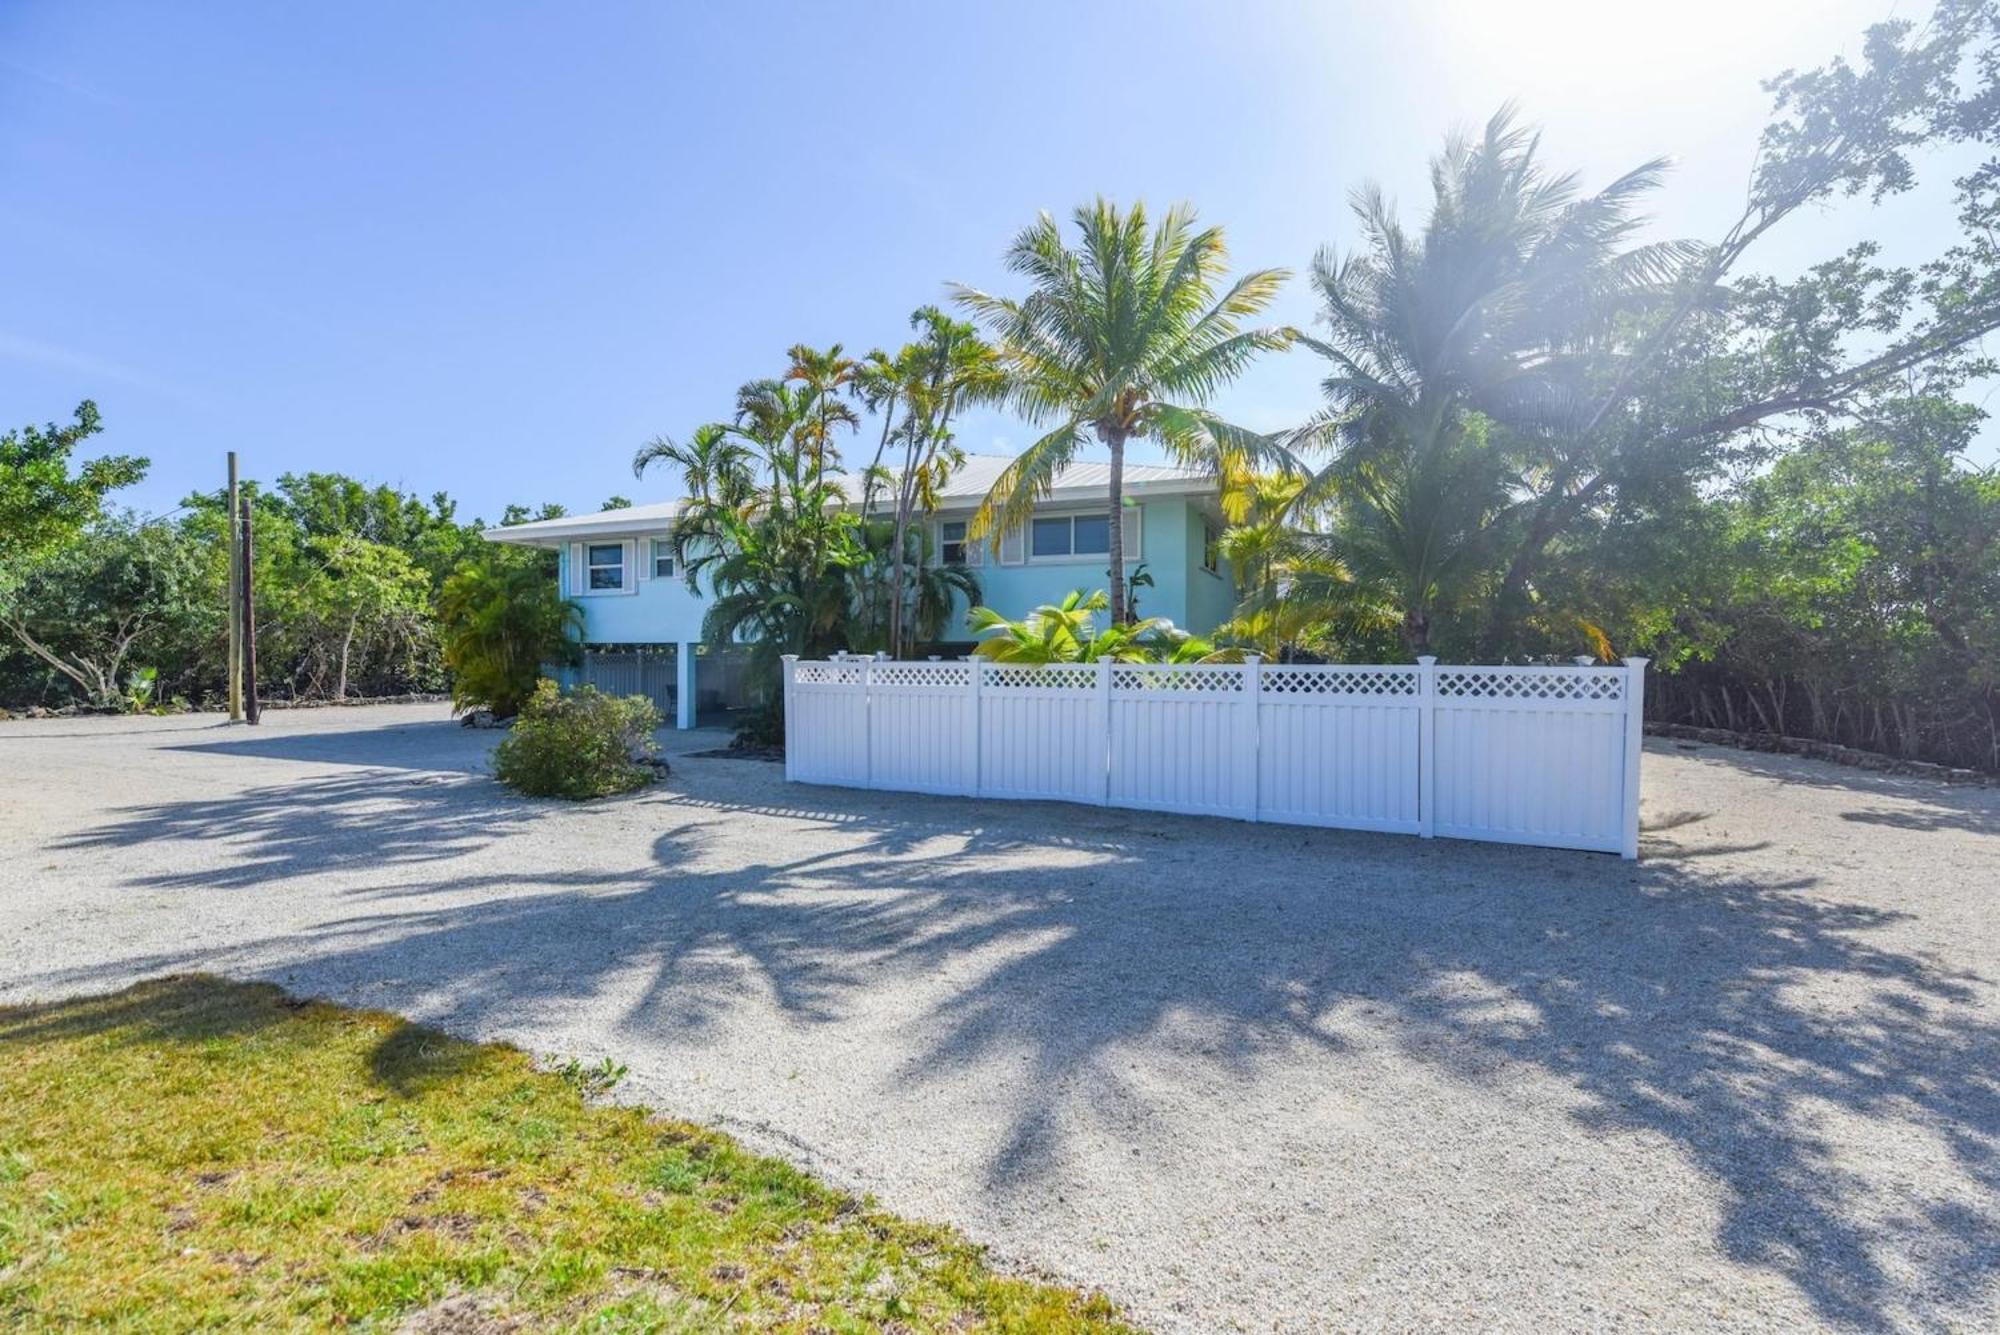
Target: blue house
{"points": [[619, 564]]}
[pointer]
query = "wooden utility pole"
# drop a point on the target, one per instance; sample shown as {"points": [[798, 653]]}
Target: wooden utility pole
{"points": [[235, 599], [250, 710]]}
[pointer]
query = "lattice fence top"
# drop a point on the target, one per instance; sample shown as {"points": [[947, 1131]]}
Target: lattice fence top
{"points": [[1583, 685], [1288, 679], [1147, 677], [1041, 676], [828, 674], [921, 674]]}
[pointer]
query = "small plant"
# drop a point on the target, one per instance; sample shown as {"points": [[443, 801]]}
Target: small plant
{"points": [[139, 689], [591, 1081], [581, 745]]}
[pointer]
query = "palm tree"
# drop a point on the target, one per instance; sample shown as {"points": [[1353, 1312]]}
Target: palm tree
{"points": [[878, 384], [824, 375], [502, 619], [1483, 320], [928, 590], [1067, 632], [714, 463], [1125, 337], [948, 367]]}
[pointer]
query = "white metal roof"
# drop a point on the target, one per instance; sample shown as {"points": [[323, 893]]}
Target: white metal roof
{"points": [[966, 488]]}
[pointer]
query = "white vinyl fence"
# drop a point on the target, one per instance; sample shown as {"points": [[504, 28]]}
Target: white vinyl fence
{"points": [[1526, 755]]}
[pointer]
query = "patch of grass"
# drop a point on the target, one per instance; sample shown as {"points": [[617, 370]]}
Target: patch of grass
{"points": [[193, 1153]]}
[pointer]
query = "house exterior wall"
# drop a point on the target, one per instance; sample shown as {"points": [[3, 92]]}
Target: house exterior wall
{"points": [[664, 610], [1211, 593], [656, 611]]}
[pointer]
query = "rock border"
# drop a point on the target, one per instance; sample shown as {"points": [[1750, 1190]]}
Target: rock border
{"points": [[1851, 756], [353, 702]]}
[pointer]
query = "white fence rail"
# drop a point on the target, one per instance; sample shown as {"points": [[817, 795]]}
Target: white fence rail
{"points": [[1527, 755]]}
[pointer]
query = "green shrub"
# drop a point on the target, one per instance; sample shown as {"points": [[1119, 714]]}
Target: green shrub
{"points": [[585, 744], [502, 619]]}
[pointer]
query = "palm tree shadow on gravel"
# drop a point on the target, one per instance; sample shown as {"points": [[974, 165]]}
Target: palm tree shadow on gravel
{"points": [[1721, 1015]]}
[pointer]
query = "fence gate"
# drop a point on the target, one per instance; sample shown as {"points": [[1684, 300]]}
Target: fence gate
{"points": [[1531, 755]]}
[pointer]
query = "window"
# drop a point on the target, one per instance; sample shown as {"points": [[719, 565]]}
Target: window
{"points": [[663, 559], [605, 562], [951, 542], [1055, 538], [1050, 537], [1211, 548], [1073, 535]]}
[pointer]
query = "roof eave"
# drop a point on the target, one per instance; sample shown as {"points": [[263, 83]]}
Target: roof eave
{"points": [[1068, 495]]}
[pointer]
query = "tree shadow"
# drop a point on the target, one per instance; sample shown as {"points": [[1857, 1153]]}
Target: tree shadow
{"points": [[195, 1009], [1908, 801], [278, 832], [1760, 1027], [179, 1008], [429, 744]]}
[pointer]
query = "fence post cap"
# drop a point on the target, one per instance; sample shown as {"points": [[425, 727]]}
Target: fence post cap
{"points": [[1253, 658], [789, 658], [1426, 660], [1584, 660], [1634, 662]]}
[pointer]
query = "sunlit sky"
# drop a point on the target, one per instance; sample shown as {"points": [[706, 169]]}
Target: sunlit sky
{"points": [[491, 248]]}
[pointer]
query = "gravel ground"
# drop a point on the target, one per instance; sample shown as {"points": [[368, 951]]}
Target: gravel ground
{"points": [[1236, 1076]]}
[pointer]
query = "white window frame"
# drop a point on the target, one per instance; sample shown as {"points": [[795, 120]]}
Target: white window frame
{"points": [[581, 566], [658, 550], [1134, 534], [971, 553]]}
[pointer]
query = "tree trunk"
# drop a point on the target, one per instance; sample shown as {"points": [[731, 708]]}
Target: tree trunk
{"points": [[905, 499], [346, 646], [1417, 630], [1114, 440]]}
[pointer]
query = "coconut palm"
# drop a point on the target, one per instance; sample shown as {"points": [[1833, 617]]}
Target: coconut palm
{"points": [[1124, 338], [1495, 315]]}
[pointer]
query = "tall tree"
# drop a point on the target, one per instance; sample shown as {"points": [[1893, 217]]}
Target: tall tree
{"points": [[85, 607], [714, 462], [1125, 337], [1657, 401], [42, 503], [1513, 267], [948, 368]]}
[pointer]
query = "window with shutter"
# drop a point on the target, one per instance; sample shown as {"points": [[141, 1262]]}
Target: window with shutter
{"points": [[605, 567]]}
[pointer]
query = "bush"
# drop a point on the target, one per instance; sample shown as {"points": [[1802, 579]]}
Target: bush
{"points": [[502, 619], [585, 744]]}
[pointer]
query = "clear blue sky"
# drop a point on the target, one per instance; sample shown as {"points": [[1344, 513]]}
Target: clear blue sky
{"points": [[492, 248]]}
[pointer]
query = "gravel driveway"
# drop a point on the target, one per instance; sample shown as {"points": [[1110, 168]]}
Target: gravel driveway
{"points": [[1233, 1075]]}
